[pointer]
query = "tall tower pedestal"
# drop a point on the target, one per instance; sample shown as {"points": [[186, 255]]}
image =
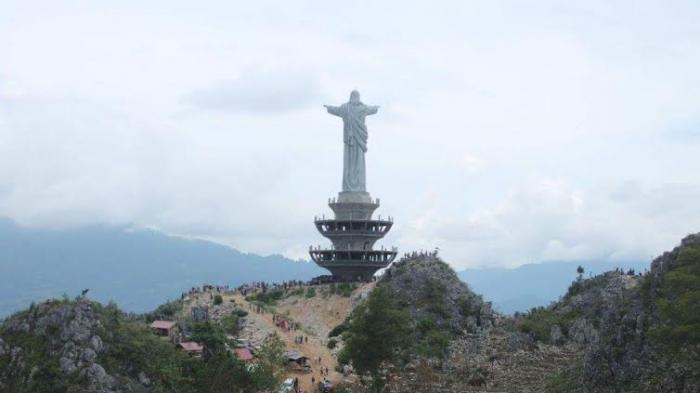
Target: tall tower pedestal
{"points": [[353, 233]]}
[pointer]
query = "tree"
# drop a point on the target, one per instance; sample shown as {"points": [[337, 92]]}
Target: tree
{"points": [[272, 363], [679, 302], [211, 335], [376, 333]]}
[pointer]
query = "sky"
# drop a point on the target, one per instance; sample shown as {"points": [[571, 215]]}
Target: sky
{"points": [[509, 132]]}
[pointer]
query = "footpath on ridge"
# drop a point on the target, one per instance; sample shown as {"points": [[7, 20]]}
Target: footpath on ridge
{"points": [[316, 317]]}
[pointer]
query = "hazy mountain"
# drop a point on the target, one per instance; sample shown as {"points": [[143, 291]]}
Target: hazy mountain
{"points": [[139, 269], [531, 285]]}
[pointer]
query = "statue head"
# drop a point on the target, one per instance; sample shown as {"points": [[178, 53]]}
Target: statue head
{"points": [[355, 96]]}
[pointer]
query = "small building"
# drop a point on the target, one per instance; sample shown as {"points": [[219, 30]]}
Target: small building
{"points": [[298, 360], [192, 348], [163, 328], [243, 354]]}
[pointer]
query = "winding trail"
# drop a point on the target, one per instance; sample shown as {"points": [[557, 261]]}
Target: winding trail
{"points": [[317, 316]]}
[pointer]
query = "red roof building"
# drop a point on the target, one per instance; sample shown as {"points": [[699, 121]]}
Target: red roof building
{"points": [[192, 347], [163, 328], [244, 354]]}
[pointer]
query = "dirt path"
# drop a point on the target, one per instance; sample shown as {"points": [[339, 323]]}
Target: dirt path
{"points": [[258, 326], [317, 315]]}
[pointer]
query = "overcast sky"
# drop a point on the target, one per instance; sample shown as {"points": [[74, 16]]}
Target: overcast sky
{"points": [[509, 132]]}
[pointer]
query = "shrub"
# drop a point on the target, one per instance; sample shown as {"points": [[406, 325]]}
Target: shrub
{"points": [[296, 292], [167, 310], [579, 286], [679, 303], [338, 330], [376, 333], [310, 292], [218, 300], [332, 343], [538, 322], [268, 298], [344, 289]]}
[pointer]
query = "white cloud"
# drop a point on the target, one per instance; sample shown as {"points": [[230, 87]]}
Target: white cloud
{"points": [[256, 91], [207, 121], [553, 220]]}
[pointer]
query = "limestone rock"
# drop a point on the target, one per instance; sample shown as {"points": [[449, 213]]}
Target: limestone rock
{"points": [[143, 379], [431, 289]]}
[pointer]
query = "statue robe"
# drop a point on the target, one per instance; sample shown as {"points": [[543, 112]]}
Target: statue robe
{"points": [[355, 142]]}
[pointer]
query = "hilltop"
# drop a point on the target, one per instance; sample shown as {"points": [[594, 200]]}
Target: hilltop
{"points": [[535, 284], [620, 331]]}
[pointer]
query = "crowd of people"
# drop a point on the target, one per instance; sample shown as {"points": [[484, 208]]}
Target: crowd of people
{"points": [[205, 288], [264, 287]]}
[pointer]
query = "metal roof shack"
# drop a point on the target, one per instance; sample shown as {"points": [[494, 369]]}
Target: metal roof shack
{"points": [[192, 347], [243, 354], [298, 360], [295, 356], [163, 328]]}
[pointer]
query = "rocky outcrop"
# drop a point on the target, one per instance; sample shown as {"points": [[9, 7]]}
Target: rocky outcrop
{"points": [[626, 355], [486, 352], [430, 289], [602, 336], [61, 337]]}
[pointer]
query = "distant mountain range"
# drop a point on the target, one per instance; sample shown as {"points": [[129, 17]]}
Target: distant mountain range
{"points": [[532, 285], [140, 269]]}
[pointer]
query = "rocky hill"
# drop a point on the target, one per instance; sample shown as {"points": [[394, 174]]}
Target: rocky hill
{"points": [[484, 351], [649, 336], [620, 331], [431, 291], [75, 346], [615, 332], [636, 332]]}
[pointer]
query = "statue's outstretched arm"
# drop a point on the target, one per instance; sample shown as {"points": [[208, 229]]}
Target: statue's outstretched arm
{"points": [[372, 109], [333, 110]]}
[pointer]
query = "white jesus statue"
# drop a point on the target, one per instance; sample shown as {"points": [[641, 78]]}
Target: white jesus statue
{"points": [[355, 134]]}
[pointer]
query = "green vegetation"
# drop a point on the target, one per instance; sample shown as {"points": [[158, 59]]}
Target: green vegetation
{"points": [[332, 343], [310, 292], [218, 300], [338, 330], [266, 299], [434, 294], [166, 311], [538, 322], [130, 347], [230, 324], [342, 289], [570, 380], [295, 292], [48, 376], [581, 285], [678, 303], [376, 334], [272, 364], [429, 340]]}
